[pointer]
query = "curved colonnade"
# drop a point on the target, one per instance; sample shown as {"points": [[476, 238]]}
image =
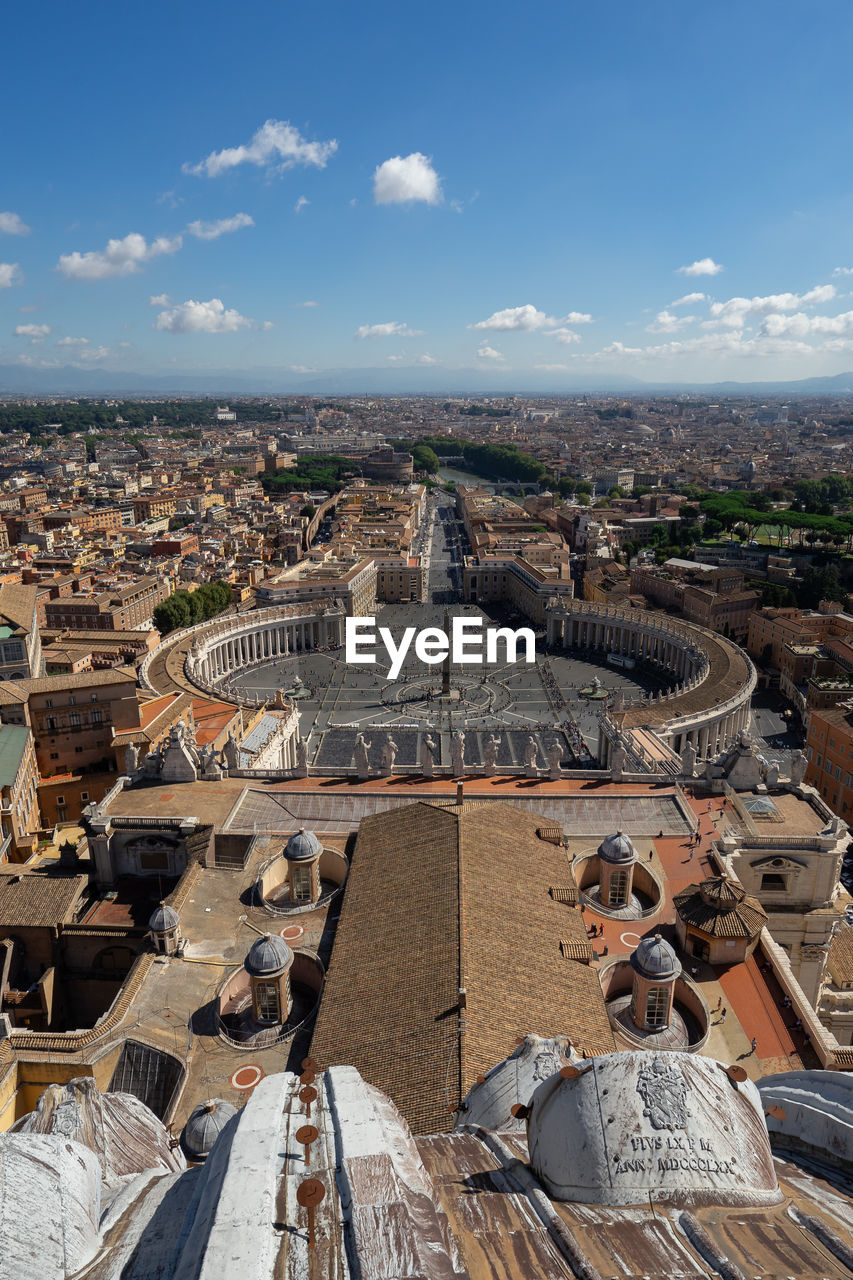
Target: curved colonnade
{"points": [[206, 655], [716, 679], [708, 707]]}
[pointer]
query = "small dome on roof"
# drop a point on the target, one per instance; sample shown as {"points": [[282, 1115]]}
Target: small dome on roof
{"points": [[206, 1122], [163, 919], [617, 848], [655, 958], [268, 956], [303, 846]]}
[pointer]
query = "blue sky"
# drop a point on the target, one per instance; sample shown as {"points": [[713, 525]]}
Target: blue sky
{"points": [[533, 190]]}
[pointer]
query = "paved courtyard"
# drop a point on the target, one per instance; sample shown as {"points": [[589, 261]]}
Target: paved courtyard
{"points": [[548, 699]]}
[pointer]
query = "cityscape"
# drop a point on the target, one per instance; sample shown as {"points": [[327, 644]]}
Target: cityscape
{"points": [[426, 644]]}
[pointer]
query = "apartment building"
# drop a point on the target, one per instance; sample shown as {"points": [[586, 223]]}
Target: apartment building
{"points": [[20, 644], [125, 608], [19, 809], [73, 719]]}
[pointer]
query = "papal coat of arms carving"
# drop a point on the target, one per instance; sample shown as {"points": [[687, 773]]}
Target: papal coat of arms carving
{"points": [[663, 1090]]}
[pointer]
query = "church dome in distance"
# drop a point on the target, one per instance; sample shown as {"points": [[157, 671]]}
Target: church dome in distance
{"points": [[268, 956], [617, 848], [654, 958], [303, 846]]}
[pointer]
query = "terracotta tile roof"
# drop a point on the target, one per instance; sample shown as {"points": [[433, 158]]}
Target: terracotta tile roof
{"points": [[443, 897], [36, 900], [721, 908], [841, 954], [18, 605]]}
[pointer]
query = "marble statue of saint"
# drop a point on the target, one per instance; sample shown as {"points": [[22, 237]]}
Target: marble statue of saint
{"points": [[799, 764], [389, 754], [555, 760], [231, 751], [618, 759], [131, 759], [490, 754], [362, 763], [457, 753], [531, 756], [302, 758], [688, 760], [427, 755]]}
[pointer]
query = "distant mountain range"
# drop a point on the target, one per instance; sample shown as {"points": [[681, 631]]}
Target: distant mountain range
{"points": [[418, 380]]}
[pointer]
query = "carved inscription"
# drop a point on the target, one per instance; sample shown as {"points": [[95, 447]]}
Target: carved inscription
{"points": [[678, 1152]]}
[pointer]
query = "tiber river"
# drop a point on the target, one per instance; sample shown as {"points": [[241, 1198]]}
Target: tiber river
{"points": [[463, 477]]}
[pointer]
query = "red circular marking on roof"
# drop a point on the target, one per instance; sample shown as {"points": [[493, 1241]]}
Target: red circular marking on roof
{"points": [[630, 939], [247, 1077], [291, 932], [167, 795]]}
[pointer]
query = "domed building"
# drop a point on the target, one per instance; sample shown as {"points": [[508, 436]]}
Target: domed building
{"points": [[618, 859], [662, 1006], [718, 921], [615, 882], [302, 854], [206, 1122], [165, 927], [304, 874], [268, 965]]}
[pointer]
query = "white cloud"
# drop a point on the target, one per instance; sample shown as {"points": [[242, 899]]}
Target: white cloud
{"points": [[73, 342], [170, 198], [552, 368], [426, 358], [489, 353], [390, 329], [9, 274], [201, 317], [566, 336], [91, 354], [12, 225], [300, 204], [403, 179], [35, 332], [842, 271], [395, 359], [702, 267], [309, 303], [722, 344], [736, 311], [212, 230], [666, 322], [267, 324], [801, 325], [277, 145], [302, 368], [529, 318], [688, 299], [159, 300], [120, 258]]}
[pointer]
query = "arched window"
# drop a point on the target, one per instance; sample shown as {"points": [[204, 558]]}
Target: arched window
{"points": [[302, 884], [266, 1002], [618, 892], [657, 1002]]}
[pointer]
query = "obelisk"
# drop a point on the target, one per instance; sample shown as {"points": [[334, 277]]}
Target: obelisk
{"points": [[445, 667]]}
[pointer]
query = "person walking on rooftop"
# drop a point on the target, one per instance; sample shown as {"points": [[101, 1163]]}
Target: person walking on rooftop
{"points": [[754, 1045]]}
